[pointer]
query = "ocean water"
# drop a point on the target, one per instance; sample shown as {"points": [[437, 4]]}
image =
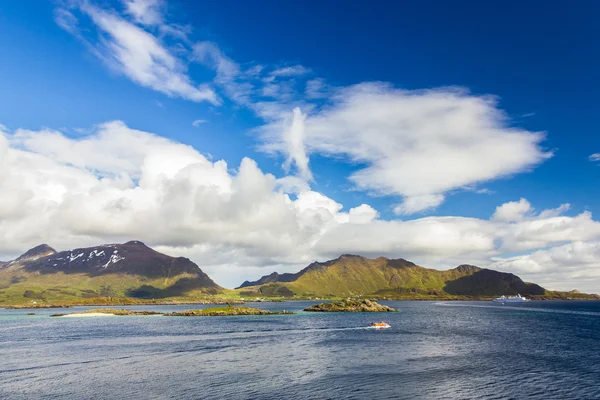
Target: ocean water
{"points": [[434, 350]]}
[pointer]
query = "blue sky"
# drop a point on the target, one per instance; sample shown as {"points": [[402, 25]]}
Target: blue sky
{"points": [[424, 112]]}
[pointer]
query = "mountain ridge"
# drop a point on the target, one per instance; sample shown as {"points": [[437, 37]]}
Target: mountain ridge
{"points": [[353, 275], [134, 271], [127, 270]]}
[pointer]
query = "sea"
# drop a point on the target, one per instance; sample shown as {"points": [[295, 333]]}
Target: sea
{"points": [[433, 350]]}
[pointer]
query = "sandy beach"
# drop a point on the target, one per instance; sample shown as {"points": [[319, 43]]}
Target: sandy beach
{"points": [[87, 315]]}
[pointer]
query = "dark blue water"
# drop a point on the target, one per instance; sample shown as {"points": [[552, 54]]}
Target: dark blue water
{"points": [[454, 350]]}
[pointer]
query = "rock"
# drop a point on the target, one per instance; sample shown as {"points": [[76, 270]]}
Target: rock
{"points": [[351, 306]]}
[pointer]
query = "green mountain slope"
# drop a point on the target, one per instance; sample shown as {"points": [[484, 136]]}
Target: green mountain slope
{"points": [[351, 275], [129, 270]]}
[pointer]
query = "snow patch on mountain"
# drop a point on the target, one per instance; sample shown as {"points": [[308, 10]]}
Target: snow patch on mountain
{"points": [[114, 258], [74, 257], [96, 253]]}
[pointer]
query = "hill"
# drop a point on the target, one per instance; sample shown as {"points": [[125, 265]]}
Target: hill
{"points": [[351, 275], [131, 270]]}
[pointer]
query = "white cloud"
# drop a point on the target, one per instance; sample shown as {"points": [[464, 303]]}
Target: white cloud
{"points": [[146, 12], [116, 184], [294, 139], [136, 53], [199, 122], [555, 212], [294, 70], [512, 211], [414, 204], [595, 157], [538, 232], [66, 20], [571, 266], [316, 89], [209, 54], [416, 144], [363, 214]]}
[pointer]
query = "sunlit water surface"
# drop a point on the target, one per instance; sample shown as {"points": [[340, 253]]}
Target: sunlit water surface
{"points": [[434, 350]]}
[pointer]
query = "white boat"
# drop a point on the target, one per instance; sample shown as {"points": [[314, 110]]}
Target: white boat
{"points": [[510, 299]]}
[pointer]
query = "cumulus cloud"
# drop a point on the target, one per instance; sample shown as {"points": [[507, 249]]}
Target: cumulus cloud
{"points": [[362, 214], [595, 157], [512, 211], [576, 264], [416, 144], [117, 183]]}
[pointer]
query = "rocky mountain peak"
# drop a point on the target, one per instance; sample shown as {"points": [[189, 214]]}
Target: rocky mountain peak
{"points": [[37, 252], [135, 243], [466, 268]]}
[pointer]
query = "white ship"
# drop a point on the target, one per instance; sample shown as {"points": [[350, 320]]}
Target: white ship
{"points": [[511, 299]]}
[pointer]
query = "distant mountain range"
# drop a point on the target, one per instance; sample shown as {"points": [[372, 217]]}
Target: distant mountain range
{"points": [[133, 270], [351, 275], [130, 269]]}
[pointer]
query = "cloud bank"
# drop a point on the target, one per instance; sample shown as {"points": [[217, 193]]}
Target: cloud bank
{"points": [[118, 183]]}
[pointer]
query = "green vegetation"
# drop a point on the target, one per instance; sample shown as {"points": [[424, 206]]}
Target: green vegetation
{"points": [[351, 305], [116, 288], [225, 311], [43, 276], [347, 276], [399, 279]]}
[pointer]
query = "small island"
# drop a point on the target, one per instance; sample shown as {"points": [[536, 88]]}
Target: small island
{"points": [[351, 306], [225, 311], [102, 312]]}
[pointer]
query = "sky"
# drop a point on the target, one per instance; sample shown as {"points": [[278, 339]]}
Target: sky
{"points": [[260, 136]]}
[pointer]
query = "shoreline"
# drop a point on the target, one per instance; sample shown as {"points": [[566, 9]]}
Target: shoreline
{"points": [[237, 302], [84, 315]]}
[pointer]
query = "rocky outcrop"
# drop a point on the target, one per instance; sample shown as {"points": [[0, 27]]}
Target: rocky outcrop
{"points": [[351, 306]]}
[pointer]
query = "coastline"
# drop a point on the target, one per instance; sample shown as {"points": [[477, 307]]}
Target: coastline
{"points": [[239, 302], [86, 315]]}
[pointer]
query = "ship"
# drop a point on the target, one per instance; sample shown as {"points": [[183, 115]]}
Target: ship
{"points": [[510, 299]]}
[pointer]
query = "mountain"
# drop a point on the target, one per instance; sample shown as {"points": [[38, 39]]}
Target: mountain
{"points": [[130, 269], [351, 275]]}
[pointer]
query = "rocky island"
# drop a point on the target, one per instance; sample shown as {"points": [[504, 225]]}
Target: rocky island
{"points": [[225, 311], [351, 306]]}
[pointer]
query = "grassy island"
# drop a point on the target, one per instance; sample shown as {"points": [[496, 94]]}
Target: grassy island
{"points": [[351, 306], [225, 311]]}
